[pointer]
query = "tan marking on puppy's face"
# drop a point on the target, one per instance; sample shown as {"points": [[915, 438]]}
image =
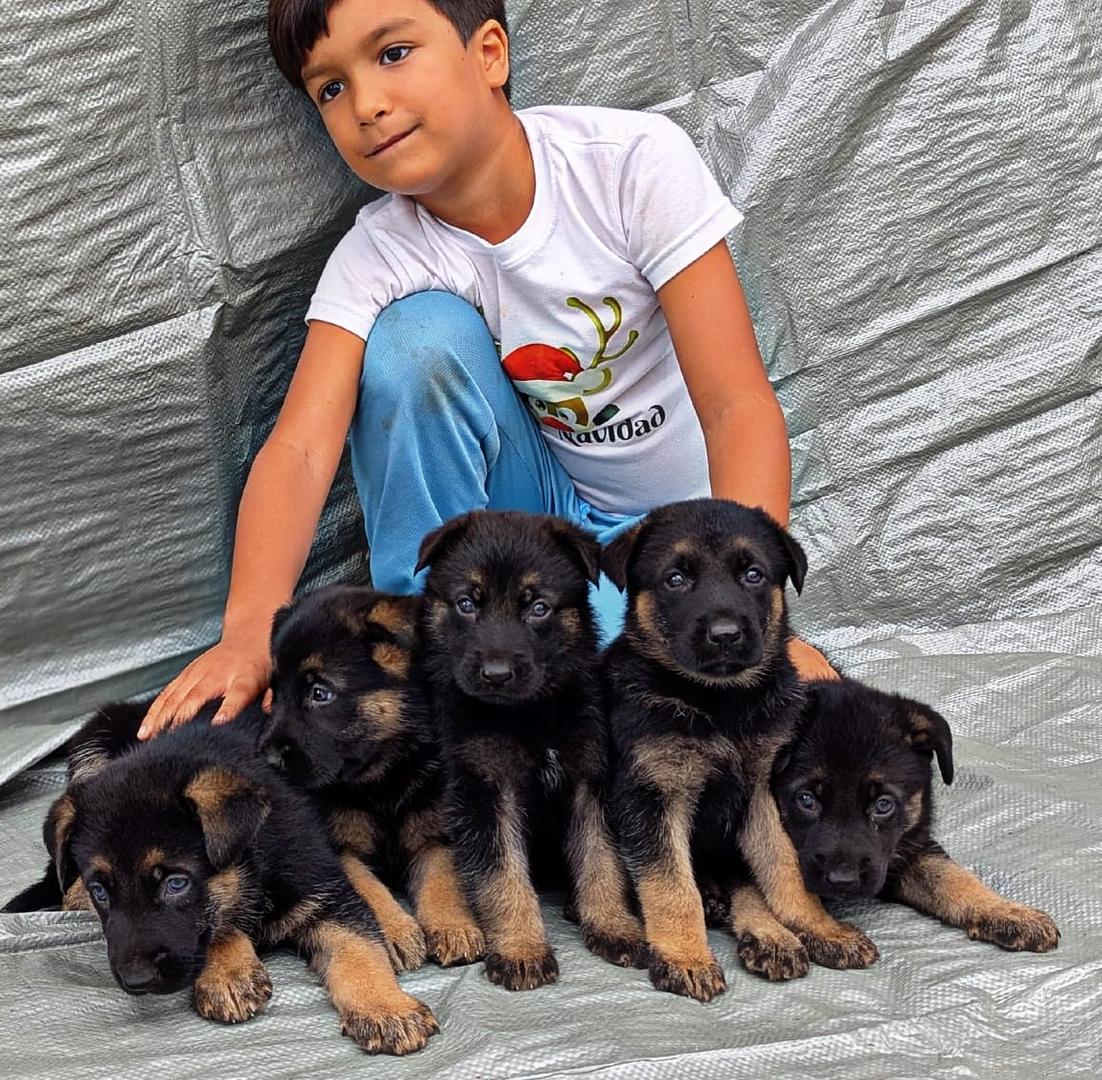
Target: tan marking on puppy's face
{"points": [[530, 580], [685, 549], [912, 809], [76, 897], [571, 623], [385, 710], [98, 864], [151, 859], [392, 659]]}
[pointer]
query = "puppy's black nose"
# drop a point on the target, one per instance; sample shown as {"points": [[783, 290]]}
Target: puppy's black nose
{"points": [[496, 672], [842, 877], [139, 978], [724, 632], [274, 755]]}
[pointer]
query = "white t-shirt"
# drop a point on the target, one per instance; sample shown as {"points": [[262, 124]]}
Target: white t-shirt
{"points": [[623, 202]]}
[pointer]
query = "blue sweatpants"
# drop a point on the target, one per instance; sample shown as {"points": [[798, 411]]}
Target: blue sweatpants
{"points": [[439, 430]]}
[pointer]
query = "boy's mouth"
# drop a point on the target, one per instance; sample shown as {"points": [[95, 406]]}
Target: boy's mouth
{"points": [[392, 141]]}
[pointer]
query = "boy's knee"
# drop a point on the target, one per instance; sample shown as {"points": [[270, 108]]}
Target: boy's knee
{"points": [[424, 340]]}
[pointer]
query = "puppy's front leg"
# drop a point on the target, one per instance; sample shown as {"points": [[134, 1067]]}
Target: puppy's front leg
{"points": [[609, 929], [764, 946], [491, 854], [935, 885], [654, 839], [234, 984], [405, 942], [776, 868]]}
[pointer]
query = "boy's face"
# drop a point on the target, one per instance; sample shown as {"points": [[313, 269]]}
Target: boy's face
{"points": [[403, 99]]}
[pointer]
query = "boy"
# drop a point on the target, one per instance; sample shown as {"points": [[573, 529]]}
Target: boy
{"points": [[592, 242]]}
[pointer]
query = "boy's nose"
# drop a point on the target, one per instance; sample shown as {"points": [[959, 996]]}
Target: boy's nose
{"points": [[369, 105]]}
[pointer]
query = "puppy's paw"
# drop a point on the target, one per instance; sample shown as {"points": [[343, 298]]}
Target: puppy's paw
{"points": [[522, 973], [1014, 927], [841, 946], [570, 911], [624, 948], [405, 943], [401, 1031], [698, 979], [777, 958], [456, 945], [231, 995], [717, 905]]}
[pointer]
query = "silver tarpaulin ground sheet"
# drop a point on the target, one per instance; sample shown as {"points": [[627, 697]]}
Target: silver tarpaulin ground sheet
{"points": [[922, 184]]}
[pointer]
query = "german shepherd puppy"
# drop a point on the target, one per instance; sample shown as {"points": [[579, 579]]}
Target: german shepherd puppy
{"points": [[511, 652], [351, 725], [701, 693], [853, 790], [192, 852]]}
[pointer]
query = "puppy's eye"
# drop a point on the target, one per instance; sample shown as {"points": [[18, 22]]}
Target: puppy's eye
{"points": [[98, 892], [753, 575], [465, 606], [176, 884], [676, 580], [884, 806], [539, 610], [806, 802], [320, 694]]}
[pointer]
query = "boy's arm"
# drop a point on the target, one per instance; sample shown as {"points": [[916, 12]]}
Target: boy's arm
{"points": [[744, 429], [283, 498]]}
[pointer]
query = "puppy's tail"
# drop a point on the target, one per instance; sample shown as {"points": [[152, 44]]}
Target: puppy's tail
{"points": [[44, 895]]}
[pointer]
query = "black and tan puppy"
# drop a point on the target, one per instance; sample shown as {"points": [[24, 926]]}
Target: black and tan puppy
{"points": [[853, 789], [193, 853], [511, 653], [351, 725], [701, 693]]}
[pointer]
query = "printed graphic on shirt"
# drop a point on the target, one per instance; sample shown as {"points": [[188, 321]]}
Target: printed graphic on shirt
{"points": [[554, 381]]}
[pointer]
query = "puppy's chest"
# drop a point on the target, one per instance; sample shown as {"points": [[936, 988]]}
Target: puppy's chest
{"points": [[686, 765]]}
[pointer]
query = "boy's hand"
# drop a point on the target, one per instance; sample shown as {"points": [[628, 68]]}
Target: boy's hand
{"points": [[235, 670], [808, 661]]}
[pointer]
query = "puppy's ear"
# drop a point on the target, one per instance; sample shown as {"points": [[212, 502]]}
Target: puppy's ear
{"points": [[439, 540], [57, 833], [781, 760], [582, 547], [928, 730], [616, 557], [231, 808], [391, 619], [796, 560], [279, 619]]}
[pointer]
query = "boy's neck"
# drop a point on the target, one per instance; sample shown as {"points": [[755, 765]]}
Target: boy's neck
{"points": [[493, 199]]}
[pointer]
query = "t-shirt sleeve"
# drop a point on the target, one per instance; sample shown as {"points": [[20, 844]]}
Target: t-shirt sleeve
{"points": [[673, 210], [377, 262]]}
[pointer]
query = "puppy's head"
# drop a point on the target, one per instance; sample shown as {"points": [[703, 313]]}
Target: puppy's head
{"points": [[341, 691], [158, 849], [507, 606], [705, 583], [855, 783]]}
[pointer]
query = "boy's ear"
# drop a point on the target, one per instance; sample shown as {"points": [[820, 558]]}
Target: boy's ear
{"points": [[582, 547], [231, 809], [492, 43], [928, 730], [437, 542], [616, 557], [57, 833]]}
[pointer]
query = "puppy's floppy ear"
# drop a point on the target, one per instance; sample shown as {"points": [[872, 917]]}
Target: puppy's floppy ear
{"points": [[616, 557], [439, 540], [928, 730], [231, 808], [57, 833], [582, 547], [796, 559], [391, 618], [279, 619]]}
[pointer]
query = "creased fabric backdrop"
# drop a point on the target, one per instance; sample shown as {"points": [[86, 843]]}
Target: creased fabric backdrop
{"points": [[922, 184]]}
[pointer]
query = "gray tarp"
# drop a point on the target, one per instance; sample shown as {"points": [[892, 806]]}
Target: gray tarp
{"points": [[922, 184]]}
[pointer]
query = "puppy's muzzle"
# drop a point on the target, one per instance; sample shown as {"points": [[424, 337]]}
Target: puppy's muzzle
{"points": [[724, 633], [496, 671]]}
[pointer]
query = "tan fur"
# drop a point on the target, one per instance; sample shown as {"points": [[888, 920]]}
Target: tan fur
{"points": [[291, 925], [912, 811], [385, 709], [571, 623], [751, 914], [76, 897], [393, 659], [354, 829], [358, 977], [404, 939], [210, 789], [936, 885], [100, 865], [151, 859], [494, 759], [451, 932], [233, 985], [393, 617], [685, 548], [224, 892], [679, 764]]}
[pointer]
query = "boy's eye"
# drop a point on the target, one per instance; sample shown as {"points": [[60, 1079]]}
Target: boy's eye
{"points": [[395, 53], [330, 90]]}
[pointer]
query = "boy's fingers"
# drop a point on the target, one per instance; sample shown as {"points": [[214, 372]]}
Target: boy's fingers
{"points": [[266, 702], [237, 697]]}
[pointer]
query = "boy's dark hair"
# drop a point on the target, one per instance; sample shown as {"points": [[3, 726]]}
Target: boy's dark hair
{"points": [[295, 25]]}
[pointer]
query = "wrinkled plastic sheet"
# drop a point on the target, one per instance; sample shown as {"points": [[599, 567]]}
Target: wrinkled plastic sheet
{"points": [[922, 184]]}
